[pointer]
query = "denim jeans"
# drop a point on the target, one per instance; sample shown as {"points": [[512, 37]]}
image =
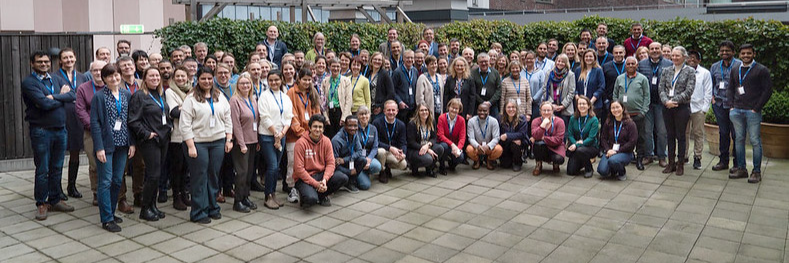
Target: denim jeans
{"points": [[49, 150], [310, 196], [272, 157], [750, 122], [655, 127], [726, 132], [204, 181], [110, 175], [363, 180], [614, 165]]}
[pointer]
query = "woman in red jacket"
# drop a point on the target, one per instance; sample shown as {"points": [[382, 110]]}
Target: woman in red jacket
{"points": [[548, 139], [452, 135]]}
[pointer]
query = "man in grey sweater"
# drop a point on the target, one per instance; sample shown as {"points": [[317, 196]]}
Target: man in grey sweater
{"points": [[483, 137]]}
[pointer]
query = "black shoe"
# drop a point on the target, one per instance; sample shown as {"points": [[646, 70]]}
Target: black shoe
{"points": [[111, 226], [249, 203], [72, 191], [216, 216], [63, 196], [239, 206], [517, 168], [137, 200], [203, 221], [431, 173], [737, 173], [720, 166], [256, 186], [452, 168], [285, 188], [442, 170], [588, 174], [156, 210], [148, 214], [325, 201], [639, 164], [118, 220], [162, 197], [697, 163]]}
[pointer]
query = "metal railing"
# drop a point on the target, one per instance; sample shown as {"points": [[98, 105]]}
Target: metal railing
{"points": [[666, 5]]}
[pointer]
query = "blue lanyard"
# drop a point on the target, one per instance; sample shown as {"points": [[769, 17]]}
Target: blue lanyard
{"points": [[604, 58], [572, 65], [617, 131], [728, 70], [333, 87], [388, 133], [94, 87], [259, 88], [407, 75], [160, 102], [318, 52], [627, 82], [133, 85], [677, 76], [618, 71], [252, 108], [320, 82], [484, 131], [434, 83], [118, 104], [528, 75], [222, 89], [72, 83], [655, 70], [746, 73], [485, 80], [350, 141], [430, 49], [287, 87], [552, 128], [637, 44], [517, 89], [354, 84], [544, 61], [425, 134], [365, 70], [211, 102], [280, 103], [581, 126], [366, 136], [51, 86], [306, 104], [354, 54], [586, 82]]}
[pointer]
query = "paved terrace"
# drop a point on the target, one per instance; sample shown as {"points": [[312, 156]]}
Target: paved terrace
{"points": [[471, 216]]}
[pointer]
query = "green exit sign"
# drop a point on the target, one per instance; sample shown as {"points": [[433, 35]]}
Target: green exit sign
{"points": [[132, 29]]}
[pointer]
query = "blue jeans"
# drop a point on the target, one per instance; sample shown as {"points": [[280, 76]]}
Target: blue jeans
{"points": [[726, 132], [747, 121], [110, 178], [655, 126], [614, 164], [49, 150], [272, 157], [363, 180], [204, 182]]}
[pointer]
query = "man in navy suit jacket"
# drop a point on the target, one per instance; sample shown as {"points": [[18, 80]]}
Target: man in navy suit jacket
{"points": [[276, 48], [44, 97]]}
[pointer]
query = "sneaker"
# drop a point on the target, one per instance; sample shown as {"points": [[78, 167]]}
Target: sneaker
{"points": [[621, 177], [588, 174], [352, 188], [720, 166], [293, 196], [755, 177], [325, 201], [737, 173], [111, 226], [62, 207], [697, 163]]}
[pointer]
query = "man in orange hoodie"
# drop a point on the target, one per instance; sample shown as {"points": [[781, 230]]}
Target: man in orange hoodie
{"points": [[313, 166]]}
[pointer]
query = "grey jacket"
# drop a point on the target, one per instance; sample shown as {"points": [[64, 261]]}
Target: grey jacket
{"points": [[474, 132], [567, 93], [683, 86]]}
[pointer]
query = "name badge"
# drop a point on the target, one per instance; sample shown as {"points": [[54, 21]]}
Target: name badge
{"points": [[741, 90], [722, 85], [410, 91], [364, 152], [624, 98], [117, 126], [307, 116], [164, 120], [671, 92], [331, 105], [212, 123], [350, 165], [519, 101], [484, 90], [616, 147], [654, 80], [255, 127]]}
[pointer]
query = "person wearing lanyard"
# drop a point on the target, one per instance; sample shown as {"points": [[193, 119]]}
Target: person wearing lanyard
{"points": [[560, 90], [349, 157], [150, 125], [85, 93], [112, 140], [429, 36], [314, 166], [461, 86], [488, 82], [244, 114], [422, 148], [514, 129], [582, 139], [542, 61], [404, 79], [74, 127], [430, 87], [381, 86], [518, 89], [451, 135], [721, 82], [753, 89], [632, 91], [676, 89], [637, 39], [591, 81], [395, 55], [258, 76], [360, 90], [276, 115], [392, 146], [222, 82], [483, 137], [536, 80], [305, 103], [611, 71], [654, 125], [618, 139], [345, 63], [207, 129], [602, 51], [369, 142], [176, 156], [337, 88], [319, 74], [547, 139], [318, 47]]}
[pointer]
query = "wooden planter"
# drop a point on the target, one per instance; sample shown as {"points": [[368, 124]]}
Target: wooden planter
{"points": [[774, 140], [712, 135]]}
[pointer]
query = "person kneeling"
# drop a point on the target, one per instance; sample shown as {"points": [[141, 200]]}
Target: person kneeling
{"points": [[515, 132], [618, 140], [348, 156], [483, 140], [582, 139], [423, 149], [313, 166], [391, 145], [548, 139]]}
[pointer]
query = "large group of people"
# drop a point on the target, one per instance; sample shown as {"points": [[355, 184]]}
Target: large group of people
{"points": [[324, 120]]}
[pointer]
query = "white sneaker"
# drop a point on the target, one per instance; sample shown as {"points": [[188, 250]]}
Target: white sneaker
{"points": [[293, 196]]}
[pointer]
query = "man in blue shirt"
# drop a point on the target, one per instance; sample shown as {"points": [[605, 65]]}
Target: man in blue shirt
{"points": [[655, 127], [721, 79]]}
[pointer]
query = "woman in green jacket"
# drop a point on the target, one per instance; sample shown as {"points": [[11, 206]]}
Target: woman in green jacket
{"points": [[582, 139]]}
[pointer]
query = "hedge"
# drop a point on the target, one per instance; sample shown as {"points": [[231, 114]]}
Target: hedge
{"points": [[240, 37]]}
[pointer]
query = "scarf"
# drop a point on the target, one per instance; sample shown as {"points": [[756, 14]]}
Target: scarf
{"points": [[180, 90]]}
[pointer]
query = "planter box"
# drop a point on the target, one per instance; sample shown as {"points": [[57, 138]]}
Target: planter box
{"points": [[774, 140], [712, 135]]}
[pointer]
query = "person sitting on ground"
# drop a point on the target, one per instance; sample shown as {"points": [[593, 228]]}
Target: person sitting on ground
{"points": [[514, 130], [617, 143], [348, 156]]}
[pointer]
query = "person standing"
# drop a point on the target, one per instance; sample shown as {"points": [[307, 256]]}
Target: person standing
{"points": [[560, 91], [430, 87], [176, 156], [611, 71], [274, 125], [699, 104], [460, 85], [244, 114], [637, 39], [676, 89], [536, 82], [305, 103], [318, 47], [381, 86], [337, 88], [75, 129], [113, 142], [136, 166], [488, 84], [386, 47], [276, 49], [517, 88], [721, 81], [631, 90], [360, 90], [44, 99], [753, 87], [655, 126], [404, 79], [85, 93], [590, 81]]}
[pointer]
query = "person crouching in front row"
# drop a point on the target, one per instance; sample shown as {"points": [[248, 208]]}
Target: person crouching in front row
{"points": [[314, 167]]}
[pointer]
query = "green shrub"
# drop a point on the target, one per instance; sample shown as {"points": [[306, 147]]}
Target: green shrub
{"points": [[775, 109], [709, 117]]}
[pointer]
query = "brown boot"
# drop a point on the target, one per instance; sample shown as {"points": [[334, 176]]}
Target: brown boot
{"points": [[178, 202], [274, 197], [490, 165], [662, 162], [537, 169], [680, 169], [270, 203], [220, 198], [555, 168], [755, 177], [476, 165], [41, 213], [124, 207], [671, 167]]}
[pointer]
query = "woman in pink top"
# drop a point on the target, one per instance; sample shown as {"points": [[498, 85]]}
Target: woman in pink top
{"points": [[548, 139], [243, 112]]}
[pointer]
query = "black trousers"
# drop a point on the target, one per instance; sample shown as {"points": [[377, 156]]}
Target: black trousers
{"points": [[580, 158], [543, 154], [227, 174], [334, 119], [676, 120], [310, 196], [418, 161], [640, 126], [153, 155], [512, 154], [178, 167]]}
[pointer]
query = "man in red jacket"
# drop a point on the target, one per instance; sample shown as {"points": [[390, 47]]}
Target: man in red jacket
{"points": [[313, 166]]}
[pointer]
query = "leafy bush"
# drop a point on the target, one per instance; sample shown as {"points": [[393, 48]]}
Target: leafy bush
{"points": [[709, 117], [775, 109]]}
